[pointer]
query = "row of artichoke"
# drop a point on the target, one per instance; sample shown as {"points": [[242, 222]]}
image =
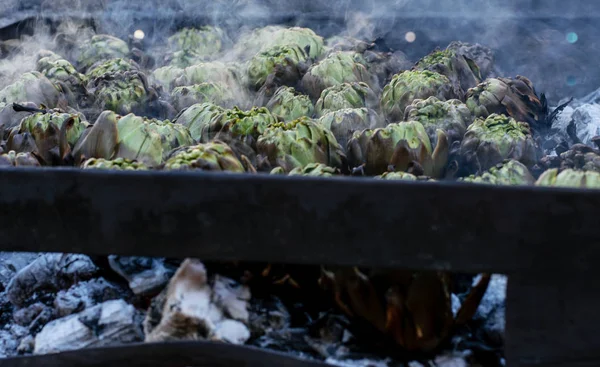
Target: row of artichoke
{"points": [[285, 101]]}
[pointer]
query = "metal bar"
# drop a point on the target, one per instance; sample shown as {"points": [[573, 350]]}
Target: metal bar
{"points": [[173, 354], [459, 227]]}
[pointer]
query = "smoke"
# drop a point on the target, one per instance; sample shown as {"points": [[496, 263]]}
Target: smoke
{"points": [[551, 42]]}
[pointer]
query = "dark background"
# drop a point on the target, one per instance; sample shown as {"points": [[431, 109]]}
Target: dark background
{"points": [[529, 37]]}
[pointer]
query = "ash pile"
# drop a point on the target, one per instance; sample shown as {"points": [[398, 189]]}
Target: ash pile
{"points": [[344, 316]]}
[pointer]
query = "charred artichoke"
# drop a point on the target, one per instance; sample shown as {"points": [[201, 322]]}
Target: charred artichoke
{"points": [[512, 97], [299, 143], [288, 105], [403, 146], [60, 72], [183, 97], [31, 87], [198, 117], [112, 66], [283, 61], [451, 116], [345, 95], [410, 85], [490, 141], [192, 45], [212, 156], [121, 92], [510, 172]]}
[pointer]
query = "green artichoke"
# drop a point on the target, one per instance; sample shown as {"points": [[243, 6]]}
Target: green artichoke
{"points": [[211, 156], [41, 133], [31, 87], [489, 141], [570, 178], [299, 143], [246, 126], [398, 147], [509, 172], [61, 72], [410, 85], [166, 76], [192, 45], [315, 169], [149, 140], [404, 176], [451, 116], [288, 105], [265, 38], [198, 117], [14, 159], [121, 92], [511, 97], [112, 66], [116, 164], [283, 61], [337, 68], [345, 95], [183, 97], [99, 48], [343, 123], [460, 70]]}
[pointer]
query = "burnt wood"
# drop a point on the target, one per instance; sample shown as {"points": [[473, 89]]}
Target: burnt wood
{"points": [[177, 354]]}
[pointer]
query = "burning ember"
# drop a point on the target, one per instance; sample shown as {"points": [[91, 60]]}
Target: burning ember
{"points": [[273, 100]]}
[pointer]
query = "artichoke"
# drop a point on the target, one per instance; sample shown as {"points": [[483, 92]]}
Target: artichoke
{"points": [[482, 56], [198, 117], [315, 169], [570, 178], [14, 159], [166, 76], [283, 61], [116, 164], [345, 95], [404, 176], [112, 66], [49, 135], [451, 116], [9, 117], [288, 105], [337, 68], [299, 143], [512, 97], [214, 72], [212, 156], [265, 38], [31, 87], [183, 97], [121, 92], [403, 146], [411, 85], [149, 140], [246, 126], [192, 45], [460, 70], [61, 72], [100, 48], [489, 141], [510, 172], [343, 123]]}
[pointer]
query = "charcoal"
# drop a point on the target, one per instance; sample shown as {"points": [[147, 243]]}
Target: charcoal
{"points": [[87, 294], [491, 311], [12, 262], [146, 276]]}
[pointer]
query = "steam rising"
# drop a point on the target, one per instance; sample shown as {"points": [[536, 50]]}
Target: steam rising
{"points": [[527, 37]]}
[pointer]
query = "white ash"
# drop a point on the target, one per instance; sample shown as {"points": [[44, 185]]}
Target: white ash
{"points": [[145, 275], [492, 308], [10, 337], [12, 262], [191, 308], [358, 363], [49, 273], [86, 294], [34, 317], [110, 323]]}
